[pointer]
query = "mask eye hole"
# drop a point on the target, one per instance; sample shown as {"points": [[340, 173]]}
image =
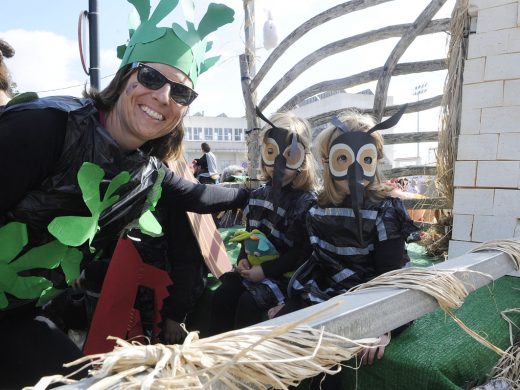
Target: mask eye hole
{"points": [[294, 160], [367, 158], [270, 151], [341, 157]]}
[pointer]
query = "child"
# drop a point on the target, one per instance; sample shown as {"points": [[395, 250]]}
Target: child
{"points": [[278, 210], [356, 229]]}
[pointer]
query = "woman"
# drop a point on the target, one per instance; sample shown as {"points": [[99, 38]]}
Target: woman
{"points": [[6, 51], [90, 169]]}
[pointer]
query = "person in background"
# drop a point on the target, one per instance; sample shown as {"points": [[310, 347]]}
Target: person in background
{"points": [[278, 211], [207, 166], [77, 172], [356, 229], [6, 51]]}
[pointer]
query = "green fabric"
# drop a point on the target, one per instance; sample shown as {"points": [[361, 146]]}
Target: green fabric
{"points": [[418, 256]]}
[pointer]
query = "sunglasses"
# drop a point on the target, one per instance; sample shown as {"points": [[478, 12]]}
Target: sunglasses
{"points": [[152, 79]]}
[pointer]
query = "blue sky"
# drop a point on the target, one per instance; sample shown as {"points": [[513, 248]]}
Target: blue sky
{"points": [[44, 34]]}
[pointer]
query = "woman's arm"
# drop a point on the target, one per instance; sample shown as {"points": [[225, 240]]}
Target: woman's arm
{"points": [[200, 198], [30, 146]]}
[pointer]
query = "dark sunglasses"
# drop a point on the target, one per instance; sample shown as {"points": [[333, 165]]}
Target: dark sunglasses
{"points": [[153, 79]]}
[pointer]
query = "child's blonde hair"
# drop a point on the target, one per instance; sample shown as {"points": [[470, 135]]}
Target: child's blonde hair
{"points": [[306, 178], [355, 121]]}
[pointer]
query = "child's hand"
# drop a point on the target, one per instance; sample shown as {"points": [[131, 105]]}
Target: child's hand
{"points": [[255, 274], [242, 265], [369, 353]]}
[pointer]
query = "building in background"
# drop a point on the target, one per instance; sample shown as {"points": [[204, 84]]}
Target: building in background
{"points": [[226, 135]]}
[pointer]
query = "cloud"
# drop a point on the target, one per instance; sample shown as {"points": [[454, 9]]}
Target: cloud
{"points": [[45, 62]]}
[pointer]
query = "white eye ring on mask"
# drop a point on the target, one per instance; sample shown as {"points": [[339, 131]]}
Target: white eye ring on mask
{"points": [[349, 153], [266, 158], [368, 150], [295, 162]]}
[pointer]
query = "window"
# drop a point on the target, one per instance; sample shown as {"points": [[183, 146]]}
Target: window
{"points": [[189, 133], [228, 134], [238, 134], [197, 133], [208, 133], [220, 134]]}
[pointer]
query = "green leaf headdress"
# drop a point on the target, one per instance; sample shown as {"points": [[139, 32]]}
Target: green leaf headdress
{"points": [[184, 49]]}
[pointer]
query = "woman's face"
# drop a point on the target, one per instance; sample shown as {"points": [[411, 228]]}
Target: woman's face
{"points": [[145, 114]]}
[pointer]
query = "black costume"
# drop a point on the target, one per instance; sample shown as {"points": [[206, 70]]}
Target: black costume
{"points": [[338, 260], [57, 135], [238, 303]]}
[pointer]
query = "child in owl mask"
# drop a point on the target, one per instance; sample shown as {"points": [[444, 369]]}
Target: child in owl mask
{"points": [[278, 210], [356, 229]]}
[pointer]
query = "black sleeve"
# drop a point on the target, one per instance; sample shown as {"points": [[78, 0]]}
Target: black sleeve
{"points": [[30, 146], [289, 261], [388, 255], [200, 198], [187, 268]]}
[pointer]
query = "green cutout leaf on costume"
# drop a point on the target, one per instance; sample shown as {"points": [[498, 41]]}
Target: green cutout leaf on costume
{"points": [[76, 230], [148, 224], [47, 256], [47, 295], [13, 237]]}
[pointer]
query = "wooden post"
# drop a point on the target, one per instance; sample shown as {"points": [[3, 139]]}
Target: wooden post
{"points": [[247, 72]]}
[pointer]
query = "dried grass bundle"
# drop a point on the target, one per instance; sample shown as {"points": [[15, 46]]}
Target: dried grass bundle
{"points": [[251, 358], [452, 100], [511, 247], [508, 367], [441, 284]]}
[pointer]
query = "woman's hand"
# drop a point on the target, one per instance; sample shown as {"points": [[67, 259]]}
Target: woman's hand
{"points": [[368, 354], [254, 274], [273, 311]]}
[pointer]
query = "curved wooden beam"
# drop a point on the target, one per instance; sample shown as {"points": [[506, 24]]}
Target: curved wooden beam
{"points": [[421, 105], [325, 16], [384, 81], [344, 45], [362, 78]]}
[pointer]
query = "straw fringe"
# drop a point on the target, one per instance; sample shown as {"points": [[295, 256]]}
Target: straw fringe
{"points": [[441, 284], [510, 247], [250, 358]]}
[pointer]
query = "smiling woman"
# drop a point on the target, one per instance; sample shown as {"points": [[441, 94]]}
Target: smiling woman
{"points": [[80, 172]]}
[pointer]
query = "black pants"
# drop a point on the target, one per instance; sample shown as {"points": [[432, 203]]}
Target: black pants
{"points": [[233, 306], [32, 348]]}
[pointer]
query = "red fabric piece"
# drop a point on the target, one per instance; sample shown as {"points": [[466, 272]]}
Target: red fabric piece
{"points": [[115, 314]]}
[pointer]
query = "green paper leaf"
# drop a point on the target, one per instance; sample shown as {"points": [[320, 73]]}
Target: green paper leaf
{"points": [[143, 10], [217, 16], [208, 63], [89, 178], [29, 287], [71, 265], [190, 36], [47, 295], [13, 237], [47, 256], [121, 51], [149, 225], [74, 231], [162, 10]]}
